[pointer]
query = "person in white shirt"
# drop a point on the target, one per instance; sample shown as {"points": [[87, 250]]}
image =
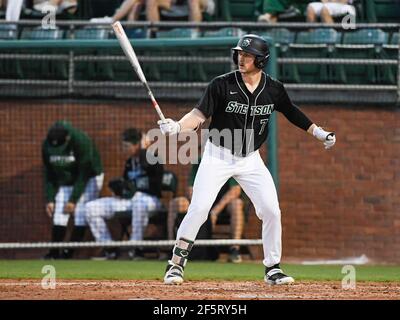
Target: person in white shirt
{"points": [[326, 10], [56, 5], [130, 9]]}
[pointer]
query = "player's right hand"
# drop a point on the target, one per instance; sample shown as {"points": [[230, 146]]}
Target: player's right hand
{"points": [[50, 209], [169, 127]]}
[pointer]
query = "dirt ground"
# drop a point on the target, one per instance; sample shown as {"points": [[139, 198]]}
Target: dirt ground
{"points": [[198, 290]]}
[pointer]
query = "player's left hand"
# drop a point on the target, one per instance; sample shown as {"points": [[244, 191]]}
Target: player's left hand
{"points": [[328, 138], [69, 208]]}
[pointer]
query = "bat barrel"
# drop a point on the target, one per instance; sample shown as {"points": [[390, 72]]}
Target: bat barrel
{"points": [[130, 54]]}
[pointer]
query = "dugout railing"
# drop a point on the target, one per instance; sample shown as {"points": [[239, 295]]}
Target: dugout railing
{"points": [[290, 55]]}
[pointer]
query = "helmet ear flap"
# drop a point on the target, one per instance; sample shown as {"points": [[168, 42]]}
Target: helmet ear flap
{"points": [[261, 62], [235, 57]]}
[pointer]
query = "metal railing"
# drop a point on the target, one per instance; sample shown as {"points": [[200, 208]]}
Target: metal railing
{"points": [[73, 85], [332, 92], [126, 244]]}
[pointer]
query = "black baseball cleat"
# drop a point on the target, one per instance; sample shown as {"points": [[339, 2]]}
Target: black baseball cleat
{"points": [[136, 254], [173, 274], [52, 255], [234, 256], [66, 254], [275, 276]]}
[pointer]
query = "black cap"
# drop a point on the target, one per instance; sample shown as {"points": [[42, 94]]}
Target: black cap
{"points": [[132, 135], [57, 135], [254, 44]]}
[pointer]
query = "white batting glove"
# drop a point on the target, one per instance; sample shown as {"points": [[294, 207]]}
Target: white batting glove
{"points": [[328, 138], [169, 127]]}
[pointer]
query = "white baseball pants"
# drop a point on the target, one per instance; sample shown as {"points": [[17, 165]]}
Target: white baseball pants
{"points": [[216, 167], [98, 211], [91, 192]]}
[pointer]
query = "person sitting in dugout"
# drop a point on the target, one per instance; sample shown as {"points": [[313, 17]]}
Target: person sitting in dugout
{"points": [[138, 191]]}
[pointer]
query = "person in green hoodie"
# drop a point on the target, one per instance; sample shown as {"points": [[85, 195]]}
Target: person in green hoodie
{"points": [[73, 174]]}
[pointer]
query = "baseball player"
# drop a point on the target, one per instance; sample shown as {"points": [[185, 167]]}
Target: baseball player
{"points": [[239, 103], [73, 176], [143, 198]]}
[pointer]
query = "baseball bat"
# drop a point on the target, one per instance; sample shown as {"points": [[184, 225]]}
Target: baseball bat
{"points": [[130, 54]]}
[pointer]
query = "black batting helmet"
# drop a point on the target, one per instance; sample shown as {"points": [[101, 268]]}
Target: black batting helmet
{"points": [[253, 44]]}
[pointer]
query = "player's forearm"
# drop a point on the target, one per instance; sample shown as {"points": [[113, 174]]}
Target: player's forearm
{"points": [[311, 128], [78, 188], [50, 191], [192, 120], [297, 117], [189, 193], [51, 187]]}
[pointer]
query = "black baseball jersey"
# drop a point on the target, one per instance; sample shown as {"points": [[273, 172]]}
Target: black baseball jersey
{"points": [[145, 176], [241, 117]]}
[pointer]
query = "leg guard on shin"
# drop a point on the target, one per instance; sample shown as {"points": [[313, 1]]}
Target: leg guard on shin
{"points": [[181, 251], [174, 271]]}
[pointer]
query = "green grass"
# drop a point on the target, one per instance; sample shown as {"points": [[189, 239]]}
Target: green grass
{"points": [[103, 270]]}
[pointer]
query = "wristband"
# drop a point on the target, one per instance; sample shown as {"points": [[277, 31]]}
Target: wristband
{"points": [[319, 133]]}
